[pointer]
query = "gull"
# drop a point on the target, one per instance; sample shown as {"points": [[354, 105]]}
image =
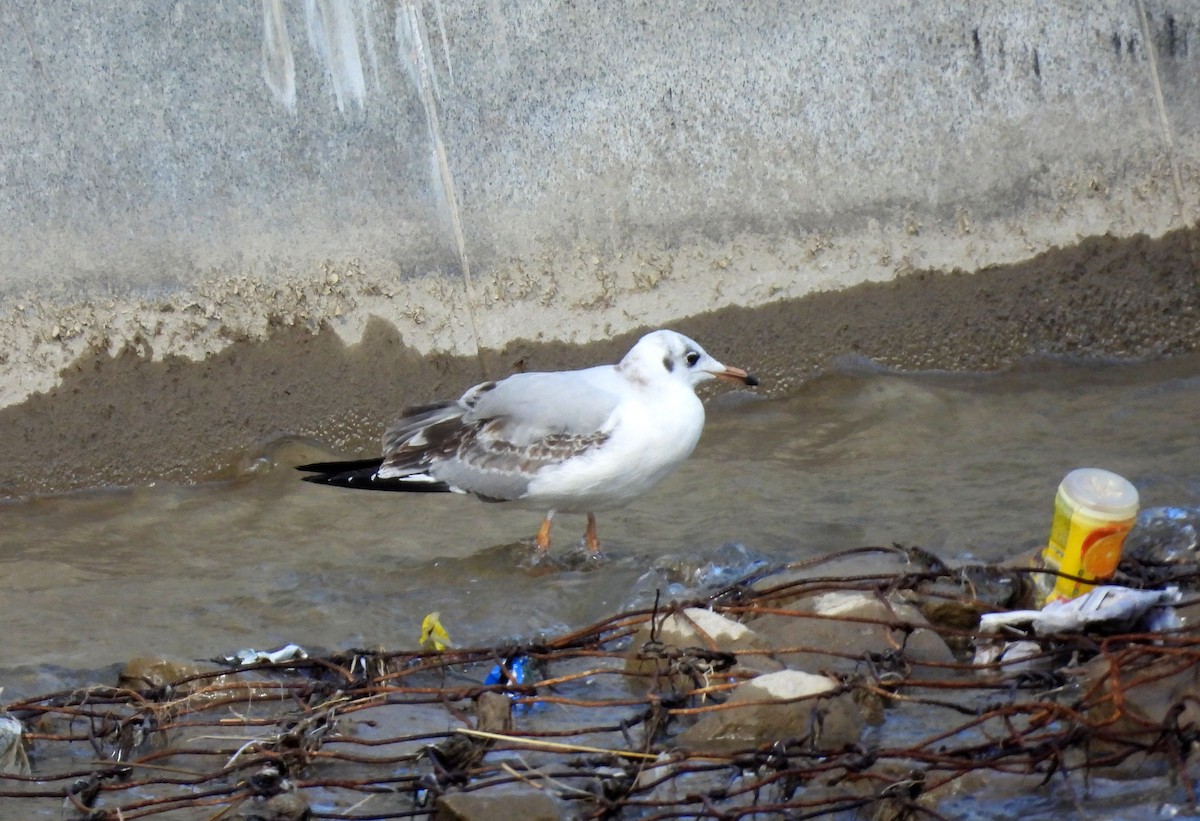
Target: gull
{"points": [[561, 441]]}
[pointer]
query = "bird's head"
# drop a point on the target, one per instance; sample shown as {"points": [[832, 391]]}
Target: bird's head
{"points": [[667, 354]]}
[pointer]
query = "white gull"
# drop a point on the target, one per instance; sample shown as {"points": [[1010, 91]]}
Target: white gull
{"points": [[564, 441]]}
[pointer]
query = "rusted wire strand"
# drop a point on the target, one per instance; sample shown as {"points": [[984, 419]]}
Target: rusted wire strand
{"points": [[348, 733]]}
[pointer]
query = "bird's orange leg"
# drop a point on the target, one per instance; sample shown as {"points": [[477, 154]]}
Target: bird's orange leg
{"points": [[589, 536], [543, 535]]}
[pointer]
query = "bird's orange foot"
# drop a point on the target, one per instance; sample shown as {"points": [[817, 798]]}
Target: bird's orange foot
{"points": [[591, 539], [542, 539]]}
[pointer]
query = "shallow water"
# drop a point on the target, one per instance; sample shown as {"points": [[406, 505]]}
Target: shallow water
{"points": [[961, 464]]}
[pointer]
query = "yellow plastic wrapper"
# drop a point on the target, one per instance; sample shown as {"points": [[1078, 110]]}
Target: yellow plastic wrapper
{"points": [[433, 636]]}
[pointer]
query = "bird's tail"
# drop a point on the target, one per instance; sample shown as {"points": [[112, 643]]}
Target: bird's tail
{"points": [[363, 474]]}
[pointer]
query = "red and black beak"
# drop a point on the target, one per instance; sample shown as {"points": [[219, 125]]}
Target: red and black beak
{"points": [[731, 374]]}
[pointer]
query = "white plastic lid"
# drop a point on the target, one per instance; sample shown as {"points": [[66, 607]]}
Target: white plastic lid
{"points": [[1105, 494]]}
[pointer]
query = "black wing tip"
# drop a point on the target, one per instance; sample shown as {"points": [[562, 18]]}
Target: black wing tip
{"points": [[319, 478], [360, 475], [352, 473], [340, 467]]}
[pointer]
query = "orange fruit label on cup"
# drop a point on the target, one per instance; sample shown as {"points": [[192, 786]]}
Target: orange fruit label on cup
{"points": [[1082, 545], [1101, 551]]}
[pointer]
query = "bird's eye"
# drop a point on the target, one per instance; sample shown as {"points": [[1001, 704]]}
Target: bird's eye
{"points": [[692, 358]]}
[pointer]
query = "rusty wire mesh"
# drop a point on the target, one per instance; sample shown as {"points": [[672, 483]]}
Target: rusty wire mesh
{"points": [[384, 735]]}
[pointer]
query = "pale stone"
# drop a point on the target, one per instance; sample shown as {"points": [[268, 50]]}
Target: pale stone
{"points": [[797, 709], [727, 635], [787, 684], [843, 604], [717, 627], [846, 636], [491, 805]]}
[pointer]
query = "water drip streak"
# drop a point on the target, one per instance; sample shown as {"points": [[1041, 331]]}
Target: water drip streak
{"points": [[410, 39], [437, 5], [368, 34], [279, 68], [332, 35], [1160, 107]]}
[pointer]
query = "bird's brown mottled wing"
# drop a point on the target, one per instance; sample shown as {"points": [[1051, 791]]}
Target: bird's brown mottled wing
{"points": [[481, 458]]}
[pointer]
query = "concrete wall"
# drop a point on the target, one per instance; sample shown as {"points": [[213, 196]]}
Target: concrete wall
{"points": [[180, 175]]}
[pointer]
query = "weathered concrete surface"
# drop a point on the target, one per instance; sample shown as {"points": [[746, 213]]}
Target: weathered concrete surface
{"points": [[180, 175], [238, 185]]}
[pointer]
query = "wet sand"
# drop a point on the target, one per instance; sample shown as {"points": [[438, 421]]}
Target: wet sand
{"points": [[127, 421]]}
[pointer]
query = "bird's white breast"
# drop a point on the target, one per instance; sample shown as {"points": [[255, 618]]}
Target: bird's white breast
{"points": [[649, 437]]}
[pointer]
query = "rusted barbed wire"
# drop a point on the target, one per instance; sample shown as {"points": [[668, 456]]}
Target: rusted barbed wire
{"points": [[385, 734]]}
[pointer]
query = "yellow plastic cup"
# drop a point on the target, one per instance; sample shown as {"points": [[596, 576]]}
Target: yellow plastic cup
{"points": [[1093, 512]]}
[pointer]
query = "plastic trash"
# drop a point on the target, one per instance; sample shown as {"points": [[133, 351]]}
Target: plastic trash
{"points": [[518, 673], [13, 759], [1108, 609], [242, 658], [1165, 535], [433, 636], [1105, 609], [1094, 509]]}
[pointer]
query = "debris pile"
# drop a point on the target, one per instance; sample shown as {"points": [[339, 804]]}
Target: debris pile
{"points": [[859, 685]]}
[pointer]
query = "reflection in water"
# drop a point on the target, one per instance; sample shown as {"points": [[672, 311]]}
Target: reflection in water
{"points": [[961, 464]]}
